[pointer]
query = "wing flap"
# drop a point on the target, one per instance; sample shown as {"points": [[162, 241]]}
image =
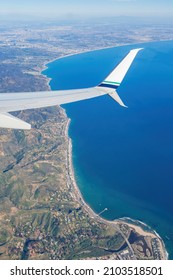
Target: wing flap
{"points": [[9, 121]]}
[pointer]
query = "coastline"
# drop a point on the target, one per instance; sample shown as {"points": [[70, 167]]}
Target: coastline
{"points": [[87, 51], [134, 225], [79, 198]]}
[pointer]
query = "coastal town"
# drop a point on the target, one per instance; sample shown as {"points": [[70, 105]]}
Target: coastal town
{"points": [[43, 214]]}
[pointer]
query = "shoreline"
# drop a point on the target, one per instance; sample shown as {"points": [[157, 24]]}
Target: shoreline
{"points": [[78, 195], [79, 198], [87, 51]]}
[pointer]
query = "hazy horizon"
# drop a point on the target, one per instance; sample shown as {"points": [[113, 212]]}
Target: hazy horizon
{"points": [[74, 9]]}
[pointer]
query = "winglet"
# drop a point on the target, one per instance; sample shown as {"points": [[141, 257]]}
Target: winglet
{"points": [[115, 78], [9, 121]]}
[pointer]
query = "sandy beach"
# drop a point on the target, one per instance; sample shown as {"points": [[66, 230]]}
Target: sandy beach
{"points": [[78, 197]]}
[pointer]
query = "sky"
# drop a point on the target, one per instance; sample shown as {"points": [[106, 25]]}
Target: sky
{"points": [[86, 8]]}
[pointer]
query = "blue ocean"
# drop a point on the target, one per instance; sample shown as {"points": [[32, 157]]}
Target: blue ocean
{"points": [[123, 158]]}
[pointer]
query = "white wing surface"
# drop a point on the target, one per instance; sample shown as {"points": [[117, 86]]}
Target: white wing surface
{"points": [[10, 102], [118, 74], [9, 121]]}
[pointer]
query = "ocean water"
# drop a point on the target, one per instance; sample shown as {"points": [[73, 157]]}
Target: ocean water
{"points": [[123, 158]]}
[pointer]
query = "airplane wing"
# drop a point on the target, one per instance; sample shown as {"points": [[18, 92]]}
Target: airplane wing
{"points": [[10, 102]]}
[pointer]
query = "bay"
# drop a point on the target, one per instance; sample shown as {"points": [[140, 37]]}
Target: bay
{"points": [[123, 158]]}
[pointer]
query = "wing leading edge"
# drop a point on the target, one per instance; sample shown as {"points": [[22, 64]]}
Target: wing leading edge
{"points": [[10, 102]]}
